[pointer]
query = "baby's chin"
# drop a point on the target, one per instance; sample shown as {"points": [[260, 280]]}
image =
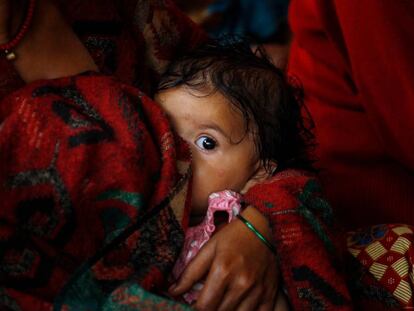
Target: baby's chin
{"points": [[199, 204], [198, 211]]}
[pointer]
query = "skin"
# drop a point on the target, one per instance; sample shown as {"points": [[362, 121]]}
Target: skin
{"points": [[224, 157], [50, 49], [246, 282], [223, 154]]}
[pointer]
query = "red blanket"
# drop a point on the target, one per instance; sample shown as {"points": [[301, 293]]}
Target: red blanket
{"points": [[309, 246], [92, 191]]}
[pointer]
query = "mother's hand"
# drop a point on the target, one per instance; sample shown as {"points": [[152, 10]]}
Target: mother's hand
{"points": [[241, 271]]}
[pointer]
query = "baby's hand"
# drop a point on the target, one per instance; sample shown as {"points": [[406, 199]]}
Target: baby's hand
{"points": [[241, 271], [281, 303]]}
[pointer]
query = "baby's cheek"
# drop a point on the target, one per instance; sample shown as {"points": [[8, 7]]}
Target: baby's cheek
{"points": [[222, 173]]}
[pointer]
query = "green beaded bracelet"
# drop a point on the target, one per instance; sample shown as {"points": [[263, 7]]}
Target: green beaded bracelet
{"points": [[257, 233]]}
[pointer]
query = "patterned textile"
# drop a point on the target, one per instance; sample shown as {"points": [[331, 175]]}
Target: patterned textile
{"points": [[93, 189], [387, 253], [132, 297], [307, 250]]}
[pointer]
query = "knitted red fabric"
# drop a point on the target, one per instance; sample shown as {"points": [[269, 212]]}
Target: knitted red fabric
{"points": [[93, 193], [307, 250]]}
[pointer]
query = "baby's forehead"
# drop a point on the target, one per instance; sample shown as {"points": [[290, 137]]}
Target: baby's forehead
{"points": [[198, 110]]}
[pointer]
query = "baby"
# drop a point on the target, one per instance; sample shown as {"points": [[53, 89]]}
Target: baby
{"points": [[242, 122]]}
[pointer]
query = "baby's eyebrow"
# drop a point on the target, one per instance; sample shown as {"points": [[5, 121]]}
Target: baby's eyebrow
{"points": [[214, 126]]}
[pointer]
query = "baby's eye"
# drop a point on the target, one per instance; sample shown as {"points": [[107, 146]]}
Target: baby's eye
{"points": [[205, 142]]}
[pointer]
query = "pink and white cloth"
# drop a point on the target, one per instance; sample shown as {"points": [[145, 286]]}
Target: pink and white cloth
{"points": [[227, 201]]}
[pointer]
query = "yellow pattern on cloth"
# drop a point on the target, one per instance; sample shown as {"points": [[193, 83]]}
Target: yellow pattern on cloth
{"points": [[387, 252]]}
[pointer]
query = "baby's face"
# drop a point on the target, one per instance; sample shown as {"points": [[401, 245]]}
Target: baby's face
{"points": [[224, 156]]}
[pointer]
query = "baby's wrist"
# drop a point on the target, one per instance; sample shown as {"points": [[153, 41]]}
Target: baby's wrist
{"points": [[260, 222]]}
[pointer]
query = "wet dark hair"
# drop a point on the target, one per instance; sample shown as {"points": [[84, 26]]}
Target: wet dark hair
{"points": [[258, 89]]}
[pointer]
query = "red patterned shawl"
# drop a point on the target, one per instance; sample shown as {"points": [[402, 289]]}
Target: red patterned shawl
{"points": [[93, 188]]}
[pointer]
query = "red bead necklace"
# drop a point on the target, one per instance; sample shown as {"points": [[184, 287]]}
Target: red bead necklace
{"points": [[7, 48]]}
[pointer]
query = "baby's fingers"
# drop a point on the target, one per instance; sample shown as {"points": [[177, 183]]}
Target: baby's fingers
{"points": [[195, 271], [213, 291], [237, 291], [271, 289]]}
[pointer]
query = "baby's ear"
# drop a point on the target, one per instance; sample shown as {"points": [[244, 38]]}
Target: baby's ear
{"points": [[265, 170], [272, 167], [260, 175]]}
